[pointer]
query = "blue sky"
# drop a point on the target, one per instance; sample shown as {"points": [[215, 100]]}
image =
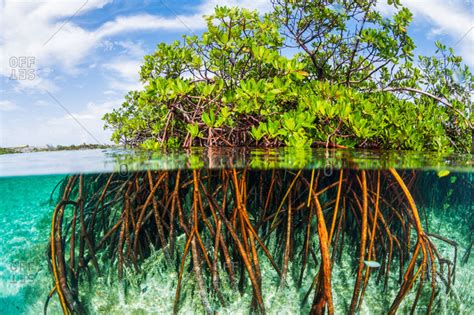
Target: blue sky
{"points": [[75, 60]]}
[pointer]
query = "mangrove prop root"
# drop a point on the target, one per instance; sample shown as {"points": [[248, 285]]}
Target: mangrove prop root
{"points": [[363, 239], [232, 220], [323, 296]]}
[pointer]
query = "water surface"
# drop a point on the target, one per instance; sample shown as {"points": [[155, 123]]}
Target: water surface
{"points": [[442, 188]]}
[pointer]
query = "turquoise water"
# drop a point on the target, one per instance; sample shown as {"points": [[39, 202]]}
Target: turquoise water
{"points": [[25, 208], [444, 199]]}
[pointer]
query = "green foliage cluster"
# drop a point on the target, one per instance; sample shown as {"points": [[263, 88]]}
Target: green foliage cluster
{"points": [[351, 81], [7, 151]]}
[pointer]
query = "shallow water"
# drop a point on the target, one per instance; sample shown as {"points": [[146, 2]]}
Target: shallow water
{"points": [[24, 210], [442, 190]]}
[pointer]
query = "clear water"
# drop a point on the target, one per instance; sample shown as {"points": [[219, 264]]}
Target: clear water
{"points": [[121, 160], [443, 194], [24, 230]]}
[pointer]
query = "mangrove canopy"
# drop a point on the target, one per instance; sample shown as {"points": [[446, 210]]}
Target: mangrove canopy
{"points": [[328, 73]]}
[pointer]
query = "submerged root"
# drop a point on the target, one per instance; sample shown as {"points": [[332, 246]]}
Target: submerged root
{"points": [[229, 218]]}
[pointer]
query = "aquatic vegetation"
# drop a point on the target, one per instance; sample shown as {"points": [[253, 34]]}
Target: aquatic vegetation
{"points": [[351, 82], [220, 226]]}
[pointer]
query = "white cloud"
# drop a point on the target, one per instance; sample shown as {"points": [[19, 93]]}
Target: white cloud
{"points": [[7, 106], [39, 84], [41, 103], [122, 87], [263, 6], [125, 68], [123, 71], [62, 129], [39, 29], [46, 29], [148, 22], [448, 17]]}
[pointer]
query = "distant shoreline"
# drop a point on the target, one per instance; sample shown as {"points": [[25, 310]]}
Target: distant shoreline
{"points": [[29, 149]]}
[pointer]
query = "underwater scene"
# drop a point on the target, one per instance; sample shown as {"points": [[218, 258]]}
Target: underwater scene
{"points": [[209, 231]]}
